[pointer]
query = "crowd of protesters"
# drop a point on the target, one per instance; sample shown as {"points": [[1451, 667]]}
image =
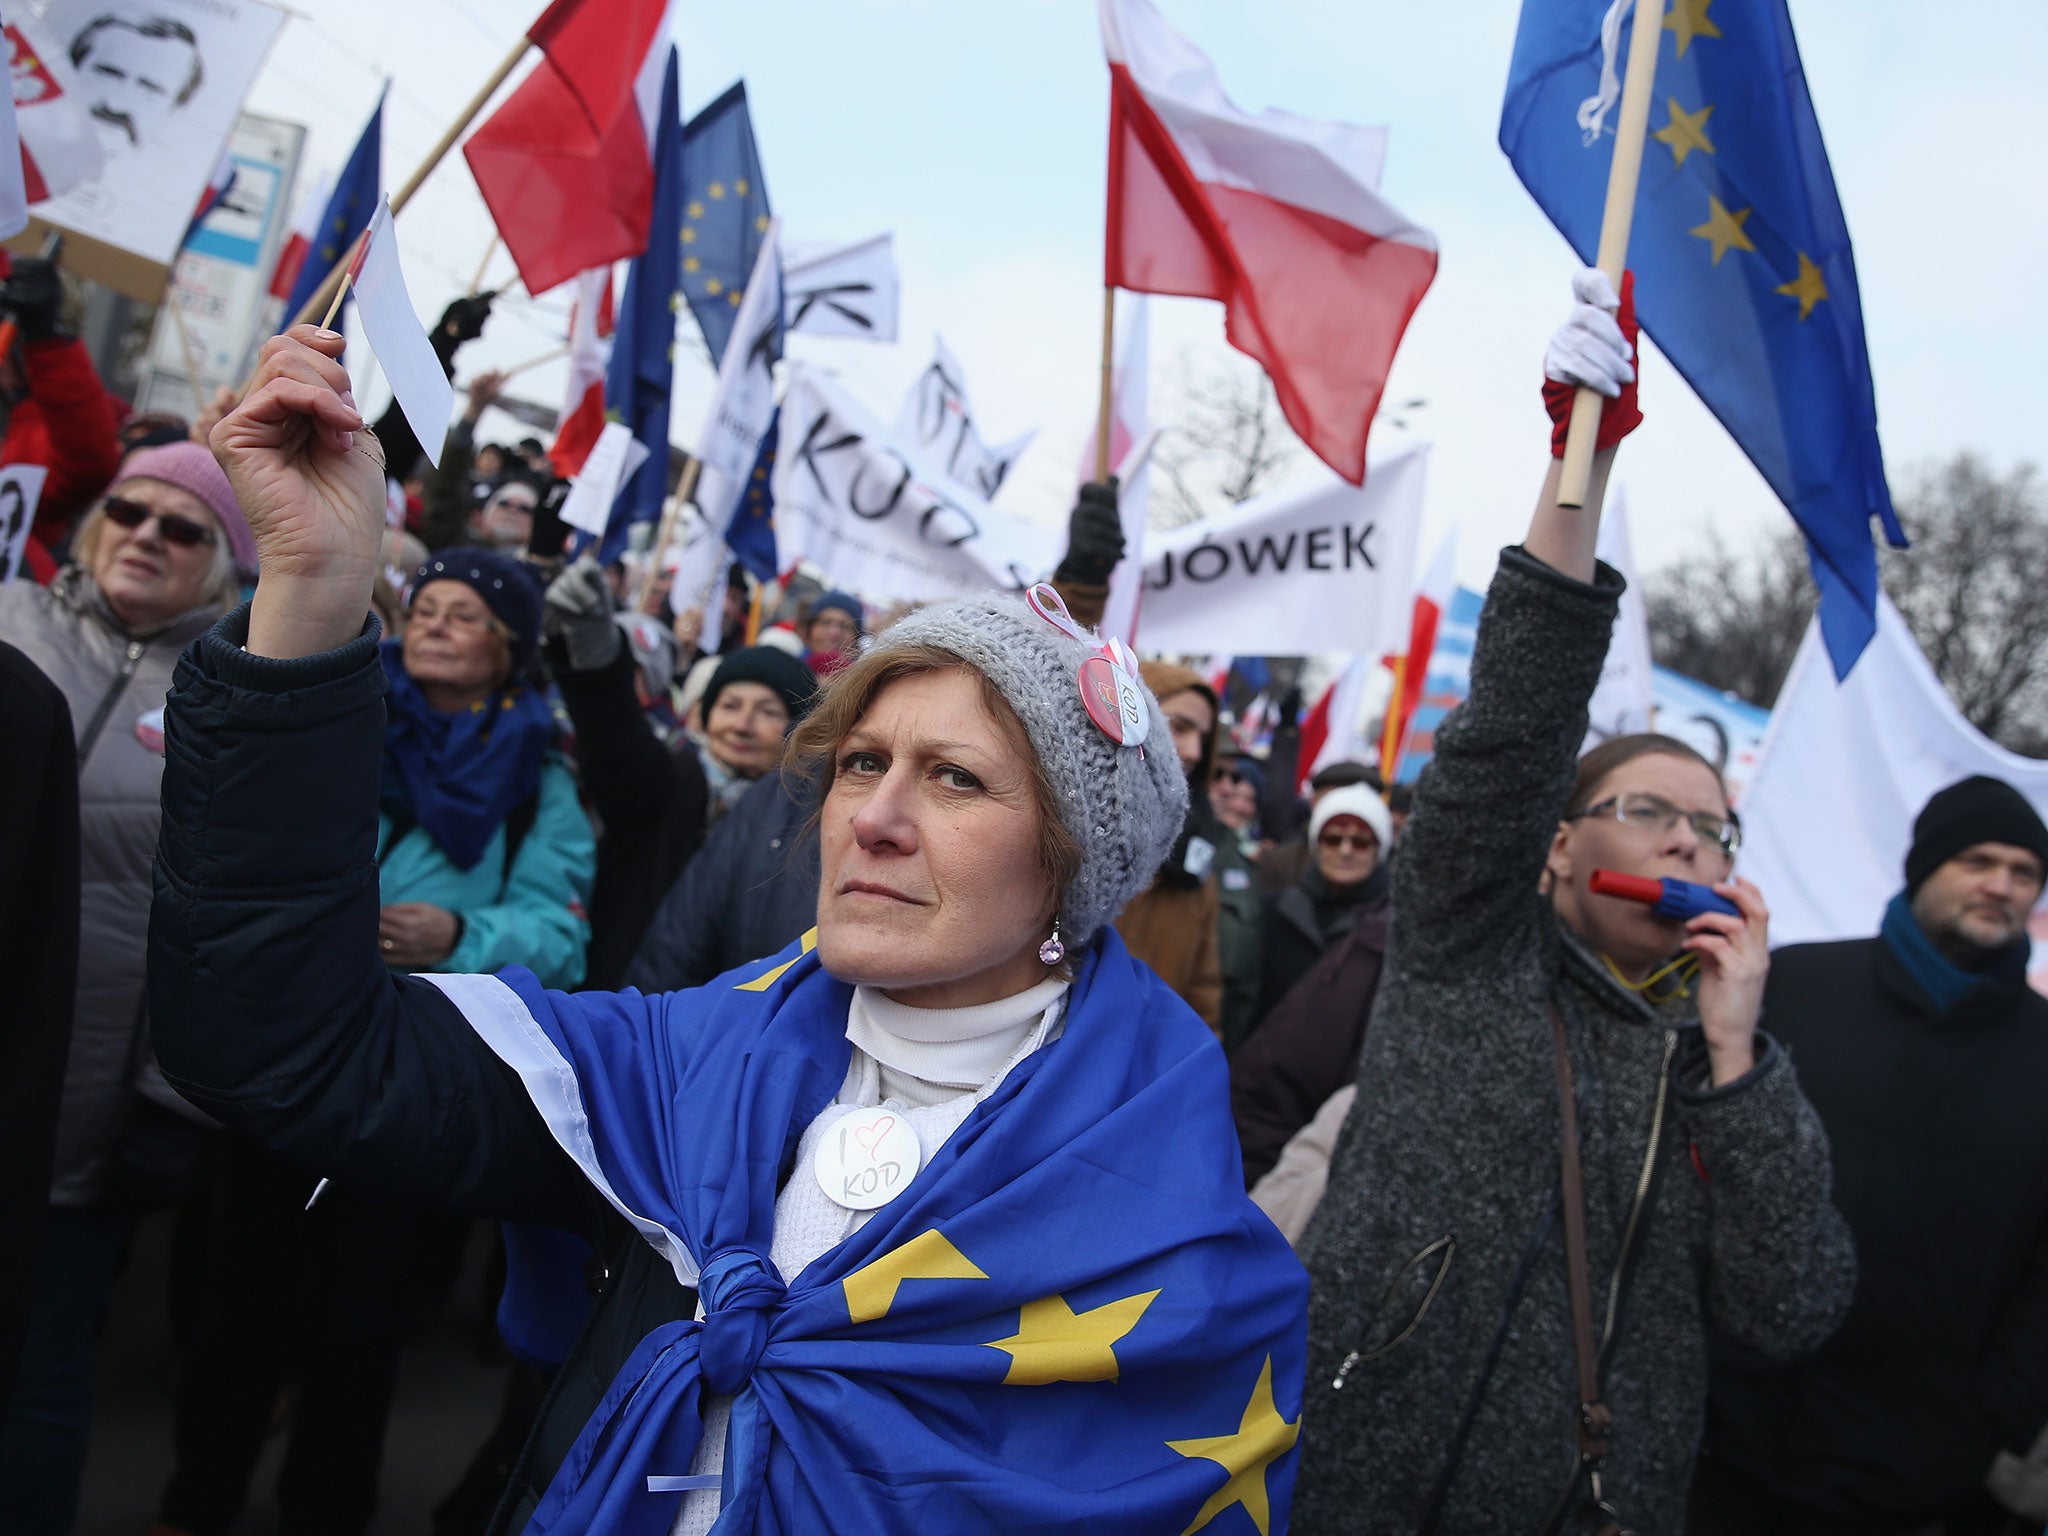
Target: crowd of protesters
{"points": [[1604, 1217]]}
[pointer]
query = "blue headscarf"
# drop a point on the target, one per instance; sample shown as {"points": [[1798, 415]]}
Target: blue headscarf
{"points": [[460, 776], [1072, 1319]]}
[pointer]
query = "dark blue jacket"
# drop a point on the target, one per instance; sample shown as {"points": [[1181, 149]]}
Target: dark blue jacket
{"points": [[750, 890], [273, 1012]]}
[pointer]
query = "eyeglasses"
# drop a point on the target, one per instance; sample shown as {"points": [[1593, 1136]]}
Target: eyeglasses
{"points": [[178, 530], [1364, 842], [1230, 776], [1653, 813]]}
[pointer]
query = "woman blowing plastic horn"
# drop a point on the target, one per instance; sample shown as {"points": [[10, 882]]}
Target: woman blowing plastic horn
{"points": [[1477, 1365], [931, 1222]]}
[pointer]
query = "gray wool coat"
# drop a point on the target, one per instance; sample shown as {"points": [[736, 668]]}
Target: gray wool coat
{"points": [[1437, 1254]]}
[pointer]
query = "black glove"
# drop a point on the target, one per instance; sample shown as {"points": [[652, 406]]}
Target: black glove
{"points": [[1095, 535], [461, 321], [1290, 710], [464, 318], [34, 296]]}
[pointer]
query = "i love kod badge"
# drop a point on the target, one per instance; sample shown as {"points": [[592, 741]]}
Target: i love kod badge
{"points": [[868, 1158]]}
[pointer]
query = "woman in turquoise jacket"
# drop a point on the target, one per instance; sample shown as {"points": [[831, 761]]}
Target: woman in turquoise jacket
{"points": [[484, 859]]}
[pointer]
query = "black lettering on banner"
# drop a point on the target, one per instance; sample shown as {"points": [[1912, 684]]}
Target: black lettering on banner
{"points": [[1255, 559], [895, 494], [1318, 551], [1218, 567], [1165, 574], [1354, 543], [933, 526], [808, 450]]}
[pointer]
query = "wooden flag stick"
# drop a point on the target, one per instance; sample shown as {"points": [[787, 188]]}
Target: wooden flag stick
{"points": [[484, 266], [532, 362], [686, 487], [341, 293], [1630, 129], [1105, 410]]}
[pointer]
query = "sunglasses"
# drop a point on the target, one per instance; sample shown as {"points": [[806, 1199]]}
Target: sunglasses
{"points": [[1364, 842], [1230, 776], [181, 531]]}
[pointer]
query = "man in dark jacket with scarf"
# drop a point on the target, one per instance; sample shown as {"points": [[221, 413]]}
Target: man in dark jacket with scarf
{"points": [[1925, 1053]]}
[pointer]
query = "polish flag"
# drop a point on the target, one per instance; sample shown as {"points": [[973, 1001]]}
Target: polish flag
{"points": [[1432, 599], [218, 185], [1276, 216], [59, 147], [1331, 731], [1128, 408], [284, 277], [590, 350], [566, 165]]}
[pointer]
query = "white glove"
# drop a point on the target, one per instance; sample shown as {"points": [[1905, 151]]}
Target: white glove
{"points": [[1589, 349]]}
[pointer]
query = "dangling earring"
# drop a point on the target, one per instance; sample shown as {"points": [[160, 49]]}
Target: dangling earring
{"points": [[1052, 951]]}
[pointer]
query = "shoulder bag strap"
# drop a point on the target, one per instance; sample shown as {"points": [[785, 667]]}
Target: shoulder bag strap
{"points": [[1595, 1421]]}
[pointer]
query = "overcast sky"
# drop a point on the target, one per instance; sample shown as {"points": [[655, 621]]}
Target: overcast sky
{"points": [[975, 131]]}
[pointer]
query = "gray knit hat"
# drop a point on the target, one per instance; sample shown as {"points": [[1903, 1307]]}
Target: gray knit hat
{"points": [[1123, 805]]}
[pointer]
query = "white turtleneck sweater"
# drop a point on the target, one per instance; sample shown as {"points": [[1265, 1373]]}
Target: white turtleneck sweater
{"points": [[936, 1065]]}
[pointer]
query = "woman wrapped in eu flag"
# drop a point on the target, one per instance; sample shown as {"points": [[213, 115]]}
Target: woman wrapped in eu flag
{"points": [[932, 1222]]}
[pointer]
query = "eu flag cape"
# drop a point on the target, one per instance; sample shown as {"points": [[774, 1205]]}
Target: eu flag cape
{"points": [[1744, 274], [1072, 1319]]}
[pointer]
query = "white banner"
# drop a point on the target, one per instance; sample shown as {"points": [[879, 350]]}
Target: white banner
{"points": [[844, 290], [163, 81], [938, 424], [1328, 568], [1846, 766], [877, 518]]}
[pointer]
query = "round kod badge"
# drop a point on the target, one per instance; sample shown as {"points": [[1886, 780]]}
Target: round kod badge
{"points": [[1113, 700], [868, 1158]]}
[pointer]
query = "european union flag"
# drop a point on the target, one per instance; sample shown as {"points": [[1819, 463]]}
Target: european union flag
{"points": [[1064, 1316], [751, 533], [1745, 278], [349, 211], [725, 213], [643, 363]]}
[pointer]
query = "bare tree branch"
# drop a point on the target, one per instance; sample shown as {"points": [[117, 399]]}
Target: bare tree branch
{"points": [[1970, 589]]}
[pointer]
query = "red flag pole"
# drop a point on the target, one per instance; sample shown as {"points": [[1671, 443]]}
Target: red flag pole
{"points": [[1622, 174]]}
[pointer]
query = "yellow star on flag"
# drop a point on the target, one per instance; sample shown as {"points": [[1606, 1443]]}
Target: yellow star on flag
{"points": [[871, 1289], [733, 298], [1262, 1438], [695, 210], [1686, 132], [761, 222], [675, 303], [715, 191], [1808, 287], [768, 978], [691, 264], [1724, 229], [739, 186], [1688, 19], [713, 286], [1053, 1342], [689, 236]]}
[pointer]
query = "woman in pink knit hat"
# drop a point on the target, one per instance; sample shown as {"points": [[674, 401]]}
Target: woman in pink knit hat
{"points": [[162, 556]]}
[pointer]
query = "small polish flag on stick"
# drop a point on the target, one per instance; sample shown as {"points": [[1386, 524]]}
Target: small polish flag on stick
{"points": [[393, 329]]}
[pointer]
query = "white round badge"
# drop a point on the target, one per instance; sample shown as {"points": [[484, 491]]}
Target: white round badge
{"points": [[868, 1158]]}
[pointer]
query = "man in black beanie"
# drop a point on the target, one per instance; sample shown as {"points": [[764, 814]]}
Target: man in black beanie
{"points": [[1926, 1055]]}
